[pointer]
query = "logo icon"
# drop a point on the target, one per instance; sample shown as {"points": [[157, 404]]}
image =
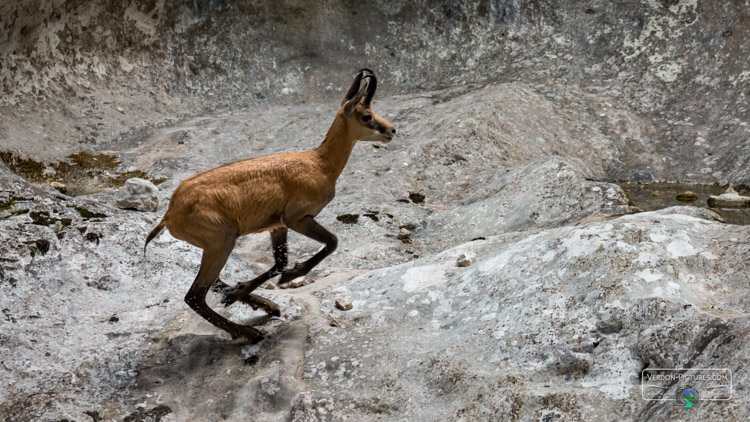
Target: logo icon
{"points": [[687, 397], [675, 384]]}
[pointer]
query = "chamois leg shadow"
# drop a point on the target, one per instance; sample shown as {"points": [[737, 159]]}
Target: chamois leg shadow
{"points": [[201, 376]]}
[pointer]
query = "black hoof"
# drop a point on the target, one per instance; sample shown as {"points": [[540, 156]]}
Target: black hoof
{"points": [[228, 300], [219, 287], [252, 336], [257, 339]]}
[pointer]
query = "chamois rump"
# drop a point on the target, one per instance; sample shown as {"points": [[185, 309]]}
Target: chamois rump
{"points": [[272, 193]]}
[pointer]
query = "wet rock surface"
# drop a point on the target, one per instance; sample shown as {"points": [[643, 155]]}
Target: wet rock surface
{"points": [[729, 199], [490, 270], [658, 196], [686, 196]]}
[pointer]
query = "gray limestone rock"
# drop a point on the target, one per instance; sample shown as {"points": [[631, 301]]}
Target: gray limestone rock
{"points": [[515, 326], [703, 213], [536, 195], [137, 194]]}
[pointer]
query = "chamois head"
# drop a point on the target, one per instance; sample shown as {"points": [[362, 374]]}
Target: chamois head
{"points": [[363, 123]]}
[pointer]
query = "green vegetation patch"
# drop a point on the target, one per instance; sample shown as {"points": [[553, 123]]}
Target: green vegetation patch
{"points": [[26, 167], [85, 213], [6, 205], [77, 172], [93, 414]]}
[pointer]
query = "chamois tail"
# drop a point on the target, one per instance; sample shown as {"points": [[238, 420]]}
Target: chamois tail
{"points": [[155, 232]]}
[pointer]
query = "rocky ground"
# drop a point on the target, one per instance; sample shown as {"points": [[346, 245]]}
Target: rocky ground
{"points": [[494, 272], [566, 300]]}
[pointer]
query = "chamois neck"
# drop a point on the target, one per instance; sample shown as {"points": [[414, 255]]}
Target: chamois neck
{"points": [[336, 148]]}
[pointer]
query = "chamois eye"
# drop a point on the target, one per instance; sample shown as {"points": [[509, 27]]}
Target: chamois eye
{"points": [[366, 118]]}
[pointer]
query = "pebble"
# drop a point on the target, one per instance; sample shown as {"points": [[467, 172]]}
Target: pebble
{"points": [[307, 280], [296, 283], [464, 260], [404, 236], [344, 305], [60, 187]]}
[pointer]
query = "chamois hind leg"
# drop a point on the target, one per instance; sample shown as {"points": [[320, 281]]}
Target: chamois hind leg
{"points": [[243, 291], [309, 227], [211, 264]]}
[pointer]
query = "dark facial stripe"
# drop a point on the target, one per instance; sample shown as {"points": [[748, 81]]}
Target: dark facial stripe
{"points": [[375, 125]]}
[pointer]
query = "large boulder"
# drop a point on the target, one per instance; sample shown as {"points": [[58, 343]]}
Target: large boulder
{"points": [[556, 325], [137, 194], [541, 194]]}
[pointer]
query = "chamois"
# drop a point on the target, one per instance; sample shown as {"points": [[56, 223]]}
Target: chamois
{"points": [[277, 192]]}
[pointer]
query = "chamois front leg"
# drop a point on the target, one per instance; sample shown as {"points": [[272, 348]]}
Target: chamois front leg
{"points": [[243, 291], [309, 227], [211, 264]]}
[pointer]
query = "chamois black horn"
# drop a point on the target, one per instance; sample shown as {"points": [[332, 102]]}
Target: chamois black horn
{"points": [[372, 85]]}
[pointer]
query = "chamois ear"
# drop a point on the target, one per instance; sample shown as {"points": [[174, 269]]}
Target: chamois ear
{"points": [[352, 104]]}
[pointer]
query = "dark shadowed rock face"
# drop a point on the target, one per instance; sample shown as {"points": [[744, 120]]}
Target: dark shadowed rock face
{"points": [[679, 64]]}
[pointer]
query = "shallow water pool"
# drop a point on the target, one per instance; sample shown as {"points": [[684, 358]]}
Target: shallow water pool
{"points": [[655, 196]]}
